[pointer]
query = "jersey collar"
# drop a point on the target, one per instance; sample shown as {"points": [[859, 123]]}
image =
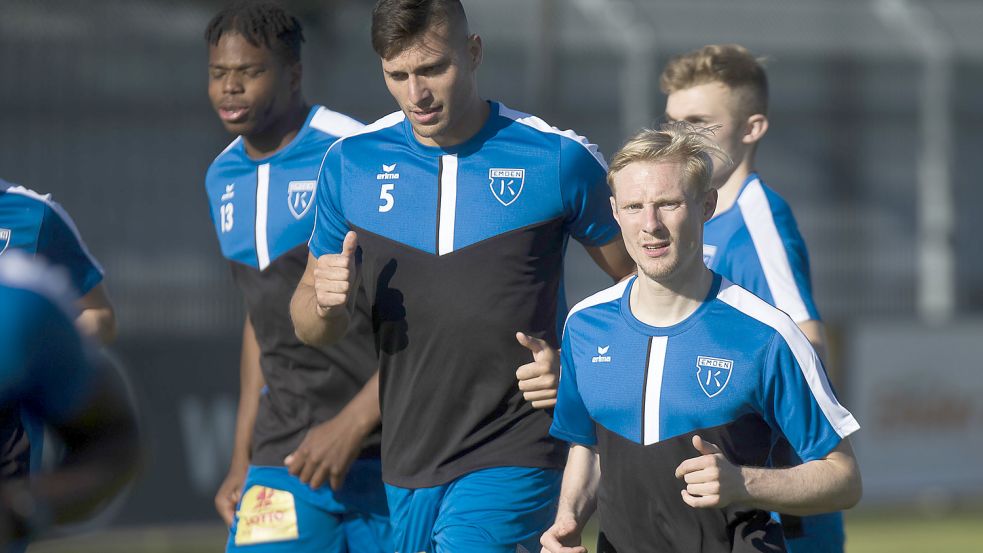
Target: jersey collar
{"points": [[677, 328], [471, 145]]}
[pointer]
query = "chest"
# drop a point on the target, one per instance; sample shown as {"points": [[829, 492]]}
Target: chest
{"points": [[649, 388], [20, 224], [262, 211], [444, 203]]}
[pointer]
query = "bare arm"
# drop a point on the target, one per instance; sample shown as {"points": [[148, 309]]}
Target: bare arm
{"points": [[613, 258], [815, 331], [578, 500], [97, 319], [329, 448], [824, 485], [322, 304], [251, 384]]}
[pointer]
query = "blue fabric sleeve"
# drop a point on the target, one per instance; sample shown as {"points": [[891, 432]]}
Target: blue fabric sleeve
{"points": [[330, 225], [789, 404], [585, 192], [60, 243], [571, 421], [798, 258]]}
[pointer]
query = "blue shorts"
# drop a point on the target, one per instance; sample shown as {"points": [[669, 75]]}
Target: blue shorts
{"points": [[818, 534], [279, 513], [495, 510]]}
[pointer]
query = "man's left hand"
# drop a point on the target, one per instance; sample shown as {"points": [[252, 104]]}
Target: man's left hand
{"points": [[326, 453], [711, 480], [538, 380]]}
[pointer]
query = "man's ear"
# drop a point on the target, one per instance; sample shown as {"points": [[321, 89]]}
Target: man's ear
{"points": [[755, 128], [709, 204], [475, 50]]}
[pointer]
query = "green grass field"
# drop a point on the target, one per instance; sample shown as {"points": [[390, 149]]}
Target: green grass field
{"points": [[867, 532]]}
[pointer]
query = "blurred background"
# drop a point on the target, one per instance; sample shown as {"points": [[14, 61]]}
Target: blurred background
{"points": [[874, 140]]}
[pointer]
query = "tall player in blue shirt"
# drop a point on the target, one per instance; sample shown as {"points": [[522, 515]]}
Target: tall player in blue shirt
{"points": [[752, 238], [305, 414], [461, 209], [677, 381]]}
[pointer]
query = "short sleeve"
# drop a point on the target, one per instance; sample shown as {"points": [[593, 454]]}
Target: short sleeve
{"points": [[586, 196], [330, 225], [61, 244], [798, 260], [571, 421], [799, 401]]}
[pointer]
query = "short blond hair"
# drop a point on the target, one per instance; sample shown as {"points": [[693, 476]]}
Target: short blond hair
{"points": [[729, 64], [678, 142]]}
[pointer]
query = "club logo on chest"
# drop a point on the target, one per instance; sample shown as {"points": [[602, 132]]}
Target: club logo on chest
{"points": [[506, 184], [300, 196], [713, 374]]}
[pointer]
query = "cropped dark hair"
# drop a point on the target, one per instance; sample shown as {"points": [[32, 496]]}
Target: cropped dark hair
{"points": [[261, 24], [397, 23]]}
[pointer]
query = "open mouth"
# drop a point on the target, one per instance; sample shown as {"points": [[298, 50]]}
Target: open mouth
{"points": [[426, 116], [233, 114]]}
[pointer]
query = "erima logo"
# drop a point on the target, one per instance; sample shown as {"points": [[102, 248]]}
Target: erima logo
{"points": [[388, 173], [230, 192], [4, 239], [602, 356], [713, 374]]}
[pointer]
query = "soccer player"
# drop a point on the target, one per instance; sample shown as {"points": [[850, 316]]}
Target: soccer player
{"points": [[752, 239], [305, 471], [46, 370], [460, 209], [675, 381], [35, 224]]}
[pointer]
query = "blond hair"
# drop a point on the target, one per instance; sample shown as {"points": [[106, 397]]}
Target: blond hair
{"points": [[678, 142], [729, 64]]}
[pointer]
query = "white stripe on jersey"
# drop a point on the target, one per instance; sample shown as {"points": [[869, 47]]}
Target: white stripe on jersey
{"points": [[65, 217], [448, 204], [18, 270], [262, 212], [334, 123], [653, 388], [771, 251], [604, 296], [810, 365], [540, 125], [231, 145]]}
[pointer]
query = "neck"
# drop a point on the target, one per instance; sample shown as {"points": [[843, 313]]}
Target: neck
{"points": [[671, 301], [727, 193], [278, 134], [476, 115]]}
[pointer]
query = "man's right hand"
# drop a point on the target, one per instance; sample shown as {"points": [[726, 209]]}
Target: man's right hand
{"points": [[562, 537], [230, 492], [334, 277]]}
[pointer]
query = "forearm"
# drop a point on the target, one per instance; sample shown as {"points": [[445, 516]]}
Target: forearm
{"points": [[251, 384], [581, 477], [363, 409], [314, 325], [819, 486], [98, 323]]}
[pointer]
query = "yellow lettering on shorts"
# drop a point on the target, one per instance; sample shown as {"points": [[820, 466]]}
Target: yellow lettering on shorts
{"points": [[266, 515]]}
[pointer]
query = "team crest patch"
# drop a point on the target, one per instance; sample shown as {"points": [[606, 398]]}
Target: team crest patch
{"points": [[266, 515], [713, 374], [4, 239], [709, 250], [506, 184], [300, 196]]}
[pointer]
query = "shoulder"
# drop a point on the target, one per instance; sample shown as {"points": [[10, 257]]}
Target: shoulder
{"points": [[333, 123], [755, 310], [759, 200], [607, 298], [44, 202], [229, 154], [567, 139], [379, 130]]}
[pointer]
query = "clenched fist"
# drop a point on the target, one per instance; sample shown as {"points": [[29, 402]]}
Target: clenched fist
{"points": [[334, 276]]}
